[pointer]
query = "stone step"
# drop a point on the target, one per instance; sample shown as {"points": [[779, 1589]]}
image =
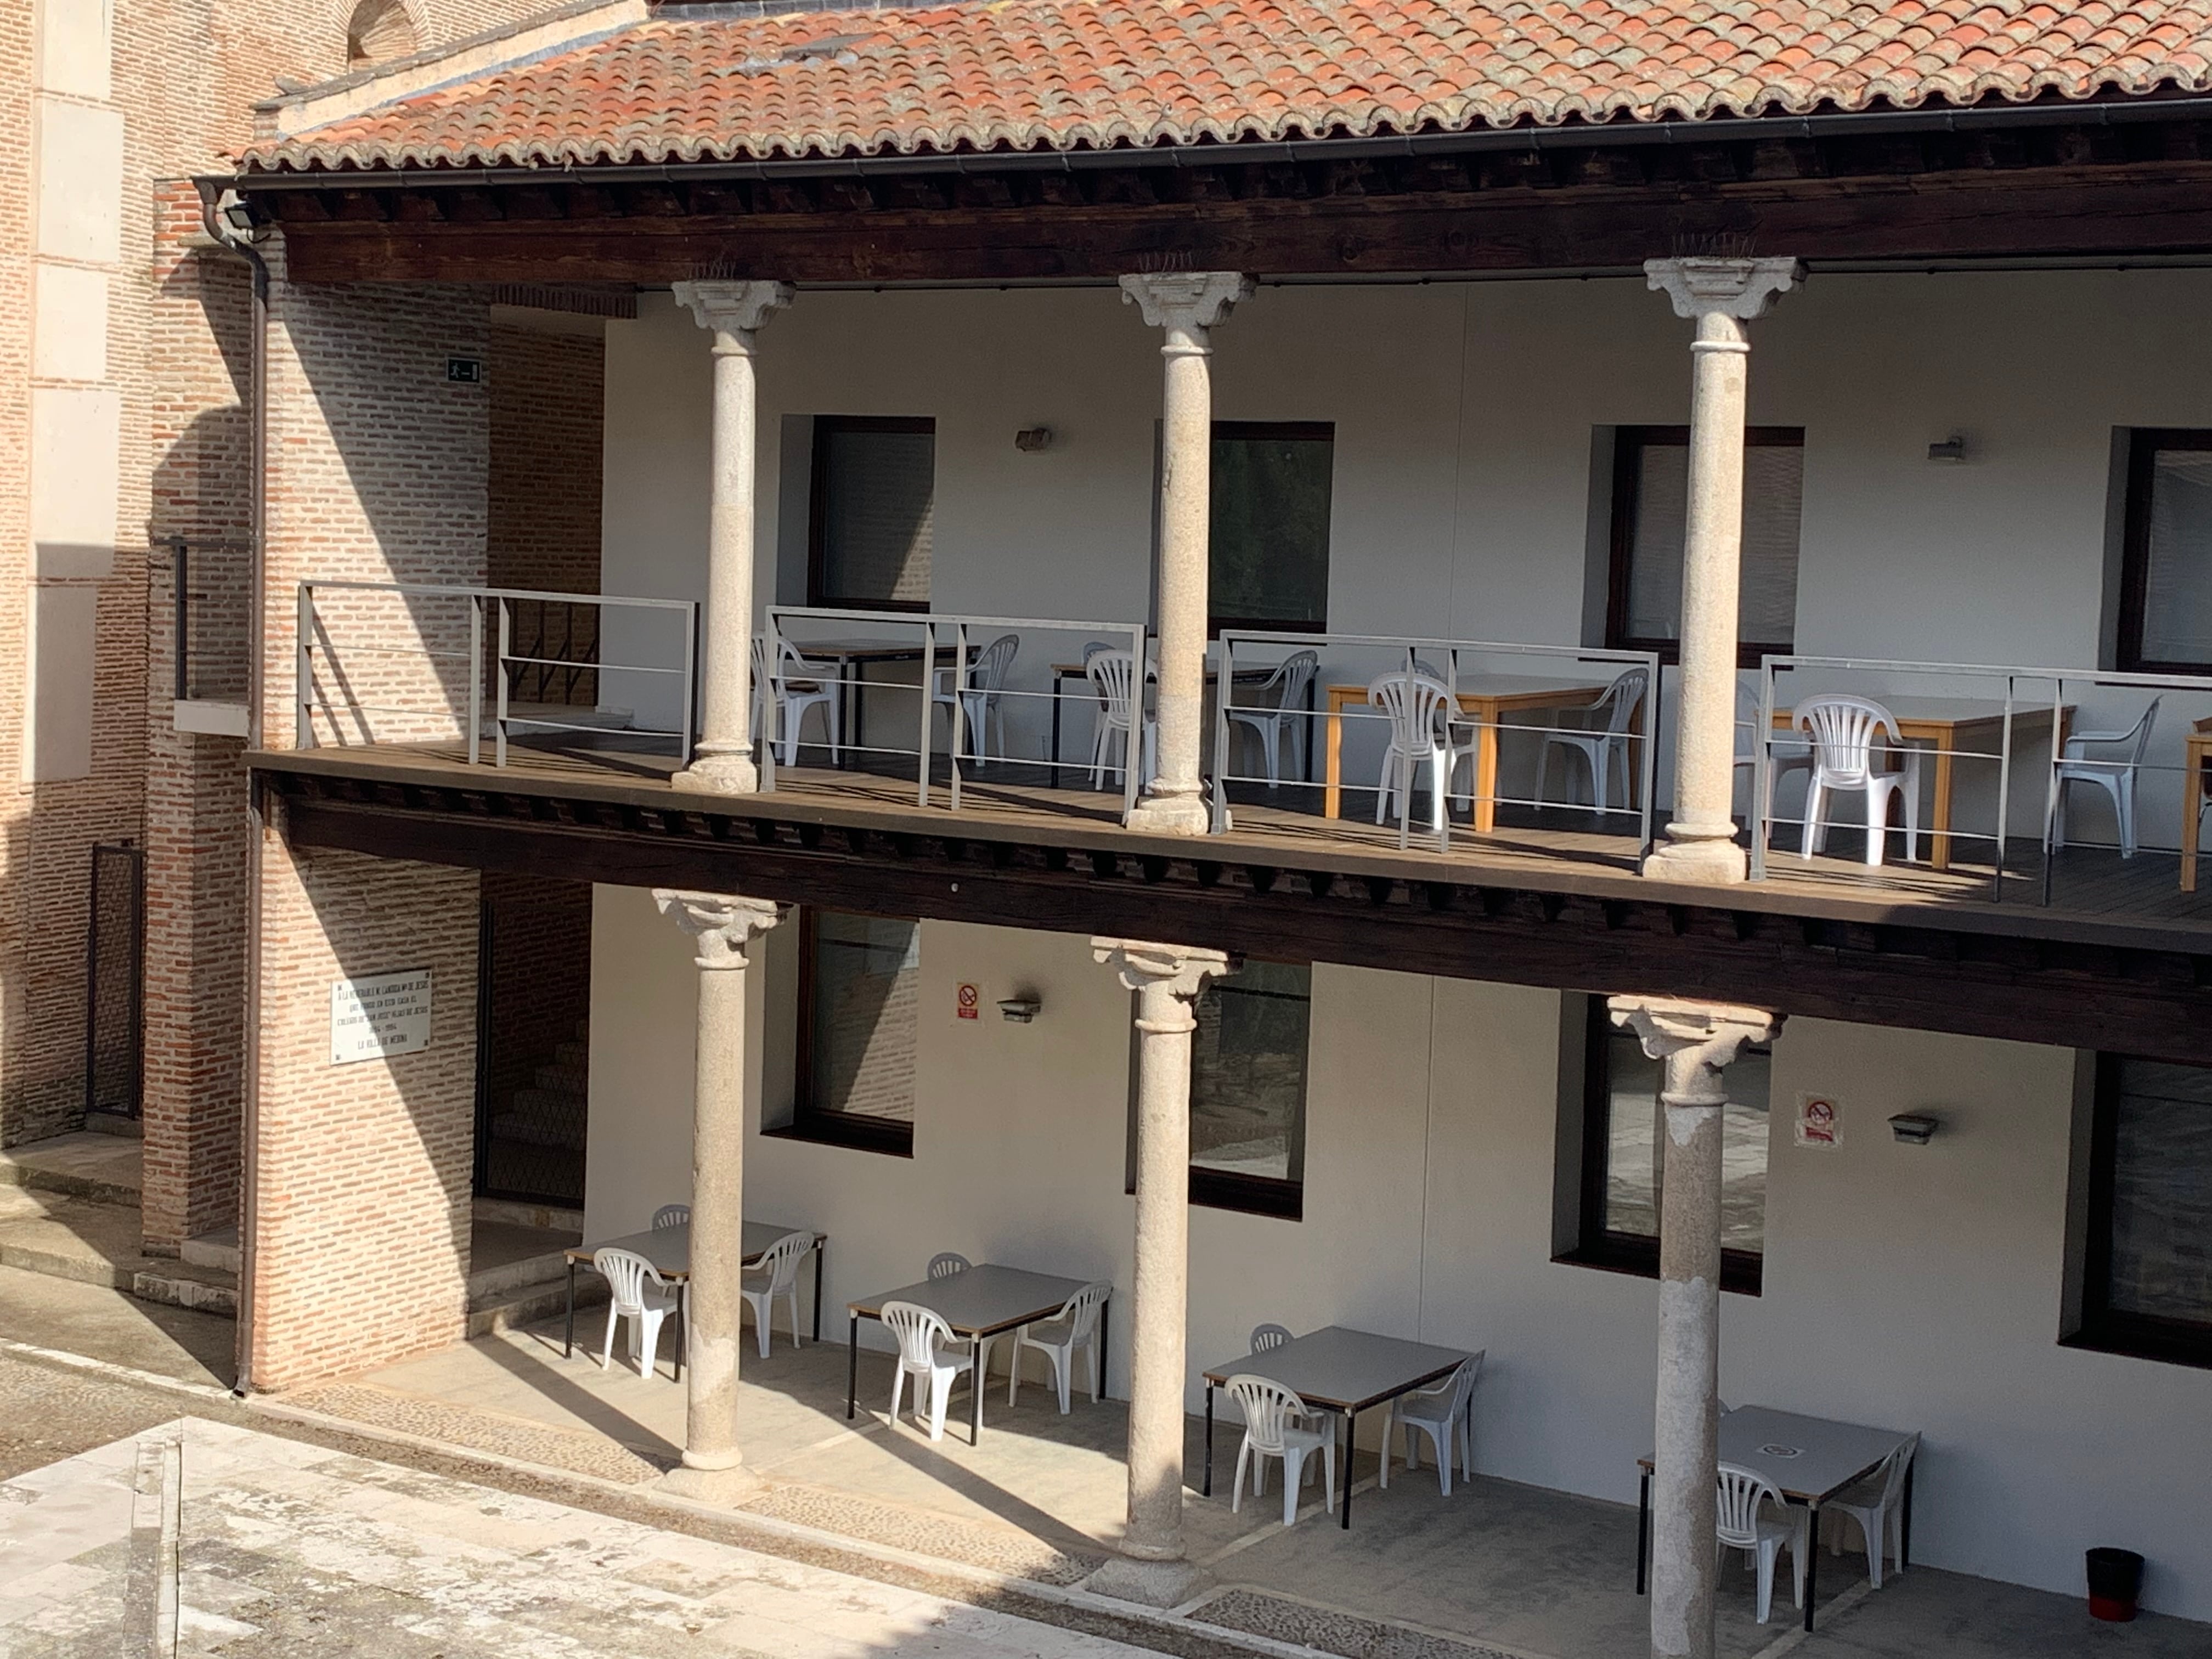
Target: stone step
{"points": [[101, 1168], [115, 1123], [530, 1304], [186, 1285], [81, 1239], [218, 1250], [528, 1215], [503, 1257]]}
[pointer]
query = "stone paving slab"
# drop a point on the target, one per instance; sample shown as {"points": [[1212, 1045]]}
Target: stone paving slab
{"points": [[287, 1549], [86, 1165]]}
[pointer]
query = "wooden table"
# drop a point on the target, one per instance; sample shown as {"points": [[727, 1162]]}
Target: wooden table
{"points": [[979, 1304], [1340, 1370], [2195, 790], [1946, 723], [1809, 1459], [669, 1250], [852, 658], [1485, 699]]}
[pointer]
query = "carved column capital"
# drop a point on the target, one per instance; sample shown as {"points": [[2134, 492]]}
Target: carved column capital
{"points": [[1695, 1039], [1181, 970], [1186, 303], [1744, 290], [734, 310], [723, 923]]}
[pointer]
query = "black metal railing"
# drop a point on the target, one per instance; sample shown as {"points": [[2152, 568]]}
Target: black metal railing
{"points": [[211, 596]]}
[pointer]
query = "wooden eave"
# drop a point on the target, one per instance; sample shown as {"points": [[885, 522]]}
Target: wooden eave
{"points": [[2074, 185], [2004, 971]]}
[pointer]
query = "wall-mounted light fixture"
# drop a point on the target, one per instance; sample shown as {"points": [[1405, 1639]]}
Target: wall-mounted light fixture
{"points": [[1021, 1010], [1033, 440], [1952, 450], [1914, 1128]]}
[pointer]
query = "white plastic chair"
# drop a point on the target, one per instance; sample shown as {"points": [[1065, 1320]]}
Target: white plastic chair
{"points": [[1265, 1337], [1422, 723], [1273, 1416], [2116, 777], [641, 1296], [946, 1263], [1877, 1503], [672, 1215], [1120, 699], [920, 1332], [1440, 1412], [1599, 743], [777, 1275], [974, 706], [799, 685], [1281, 710], [1851, 736], [1785, 754], [1742, 1527], [1075, 1326]]}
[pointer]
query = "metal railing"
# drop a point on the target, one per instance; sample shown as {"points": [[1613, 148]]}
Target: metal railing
{"points": [[1939, 706], [838, 647], [1472, 684], [464, 643]]}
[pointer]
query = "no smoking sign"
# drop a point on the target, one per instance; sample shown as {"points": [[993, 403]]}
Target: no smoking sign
{"points": [[969, 1001]]}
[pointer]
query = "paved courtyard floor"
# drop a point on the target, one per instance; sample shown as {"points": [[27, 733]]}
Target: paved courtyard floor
{"points": [[200, 1537]]}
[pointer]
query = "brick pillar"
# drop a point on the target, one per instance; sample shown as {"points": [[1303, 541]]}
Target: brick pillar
{"points": [[358, 1202]]}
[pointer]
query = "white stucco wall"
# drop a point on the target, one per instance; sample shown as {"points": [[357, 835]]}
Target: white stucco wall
{"points": [[1918, 1287], [1464, 417]]}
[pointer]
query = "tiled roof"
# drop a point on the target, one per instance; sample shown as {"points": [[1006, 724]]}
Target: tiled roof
{"points": [[700, 83]]}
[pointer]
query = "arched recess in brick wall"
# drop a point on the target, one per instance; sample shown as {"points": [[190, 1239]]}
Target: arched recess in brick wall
{"points": [[378, 31]]}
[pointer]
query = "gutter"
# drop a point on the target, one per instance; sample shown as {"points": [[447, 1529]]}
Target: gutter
{"points": [[1582, 135], [249, 1063]]}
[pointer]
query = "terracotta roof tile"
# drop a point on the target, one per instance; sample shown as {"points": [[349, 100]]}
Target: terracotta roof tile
{"points": [[699, 83]]}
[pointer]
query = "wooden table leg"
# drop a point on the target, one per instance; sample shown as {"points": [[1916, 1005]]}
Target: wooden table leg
{"points": [[1939, 817], [1332, 794], [2192, 814], [1485, 776]]}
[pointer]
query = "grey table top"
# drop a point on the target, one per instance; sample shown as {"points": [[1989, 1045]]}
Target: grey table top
{"points": [[1345, 1370], [1808, 1458], [669, 1248], [981, 1301]]}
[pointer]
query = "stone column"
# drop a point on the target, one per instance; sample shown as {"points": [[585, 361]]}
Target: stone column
{"points": [[1695, 1040], [723, 761], [1187, 305], [1167, 979], [1720, 296], [724, 925]]}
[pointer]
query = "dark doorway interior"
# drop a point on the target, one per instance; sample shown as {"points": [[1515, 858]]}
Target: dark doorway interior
{"points": [[533, 1035]]}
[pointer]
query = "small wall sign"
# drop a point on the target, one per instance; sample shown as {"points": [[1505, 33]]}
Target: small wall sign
{"points": [[970, 1001], [380, 1015], [1819, 1121], [468, 371]]}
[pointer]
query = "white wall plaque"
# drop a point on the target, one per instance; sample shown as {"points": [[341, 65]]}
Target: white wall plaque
{"points": [[382, 1015]]}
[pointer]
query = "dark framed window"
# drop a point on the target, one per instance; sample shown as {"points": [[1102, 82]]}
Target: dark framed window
{"points": [[1623, 1157], [2147, 1261], [871, 531], [1248, 1091], [1650, 511], [2165, 562], [1269, 559], [858, 1002]]}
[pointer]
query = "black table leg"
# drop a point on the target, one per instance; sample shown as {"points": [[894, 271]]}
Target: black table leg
{"points": [[1102, 1349], [1056, 732], [1904, 1528], [683, 1324], [569, 1330], [1642, 1530], [1350, 1423], [975, 1393], [821, 1247], [853, 1371], [1206, 1491], [1812, 1557]]}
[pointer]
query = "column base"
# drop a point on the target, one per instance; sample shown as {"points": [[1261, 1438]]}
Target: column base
{"points": [[723, 1488], [1707, 861], [1170, 814], [1151, 1584], [720, 774]]}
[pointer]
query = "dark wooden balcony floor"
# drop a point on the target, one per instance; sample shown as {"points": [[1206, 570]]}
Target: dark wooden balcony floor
{"points": [[2095, 893]]}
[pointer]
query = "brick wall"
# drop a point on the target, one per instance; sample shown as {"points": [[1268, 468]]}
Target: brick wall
{"points": [[541, 966], [359, 1254], [547, 396], [15, 837]]}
